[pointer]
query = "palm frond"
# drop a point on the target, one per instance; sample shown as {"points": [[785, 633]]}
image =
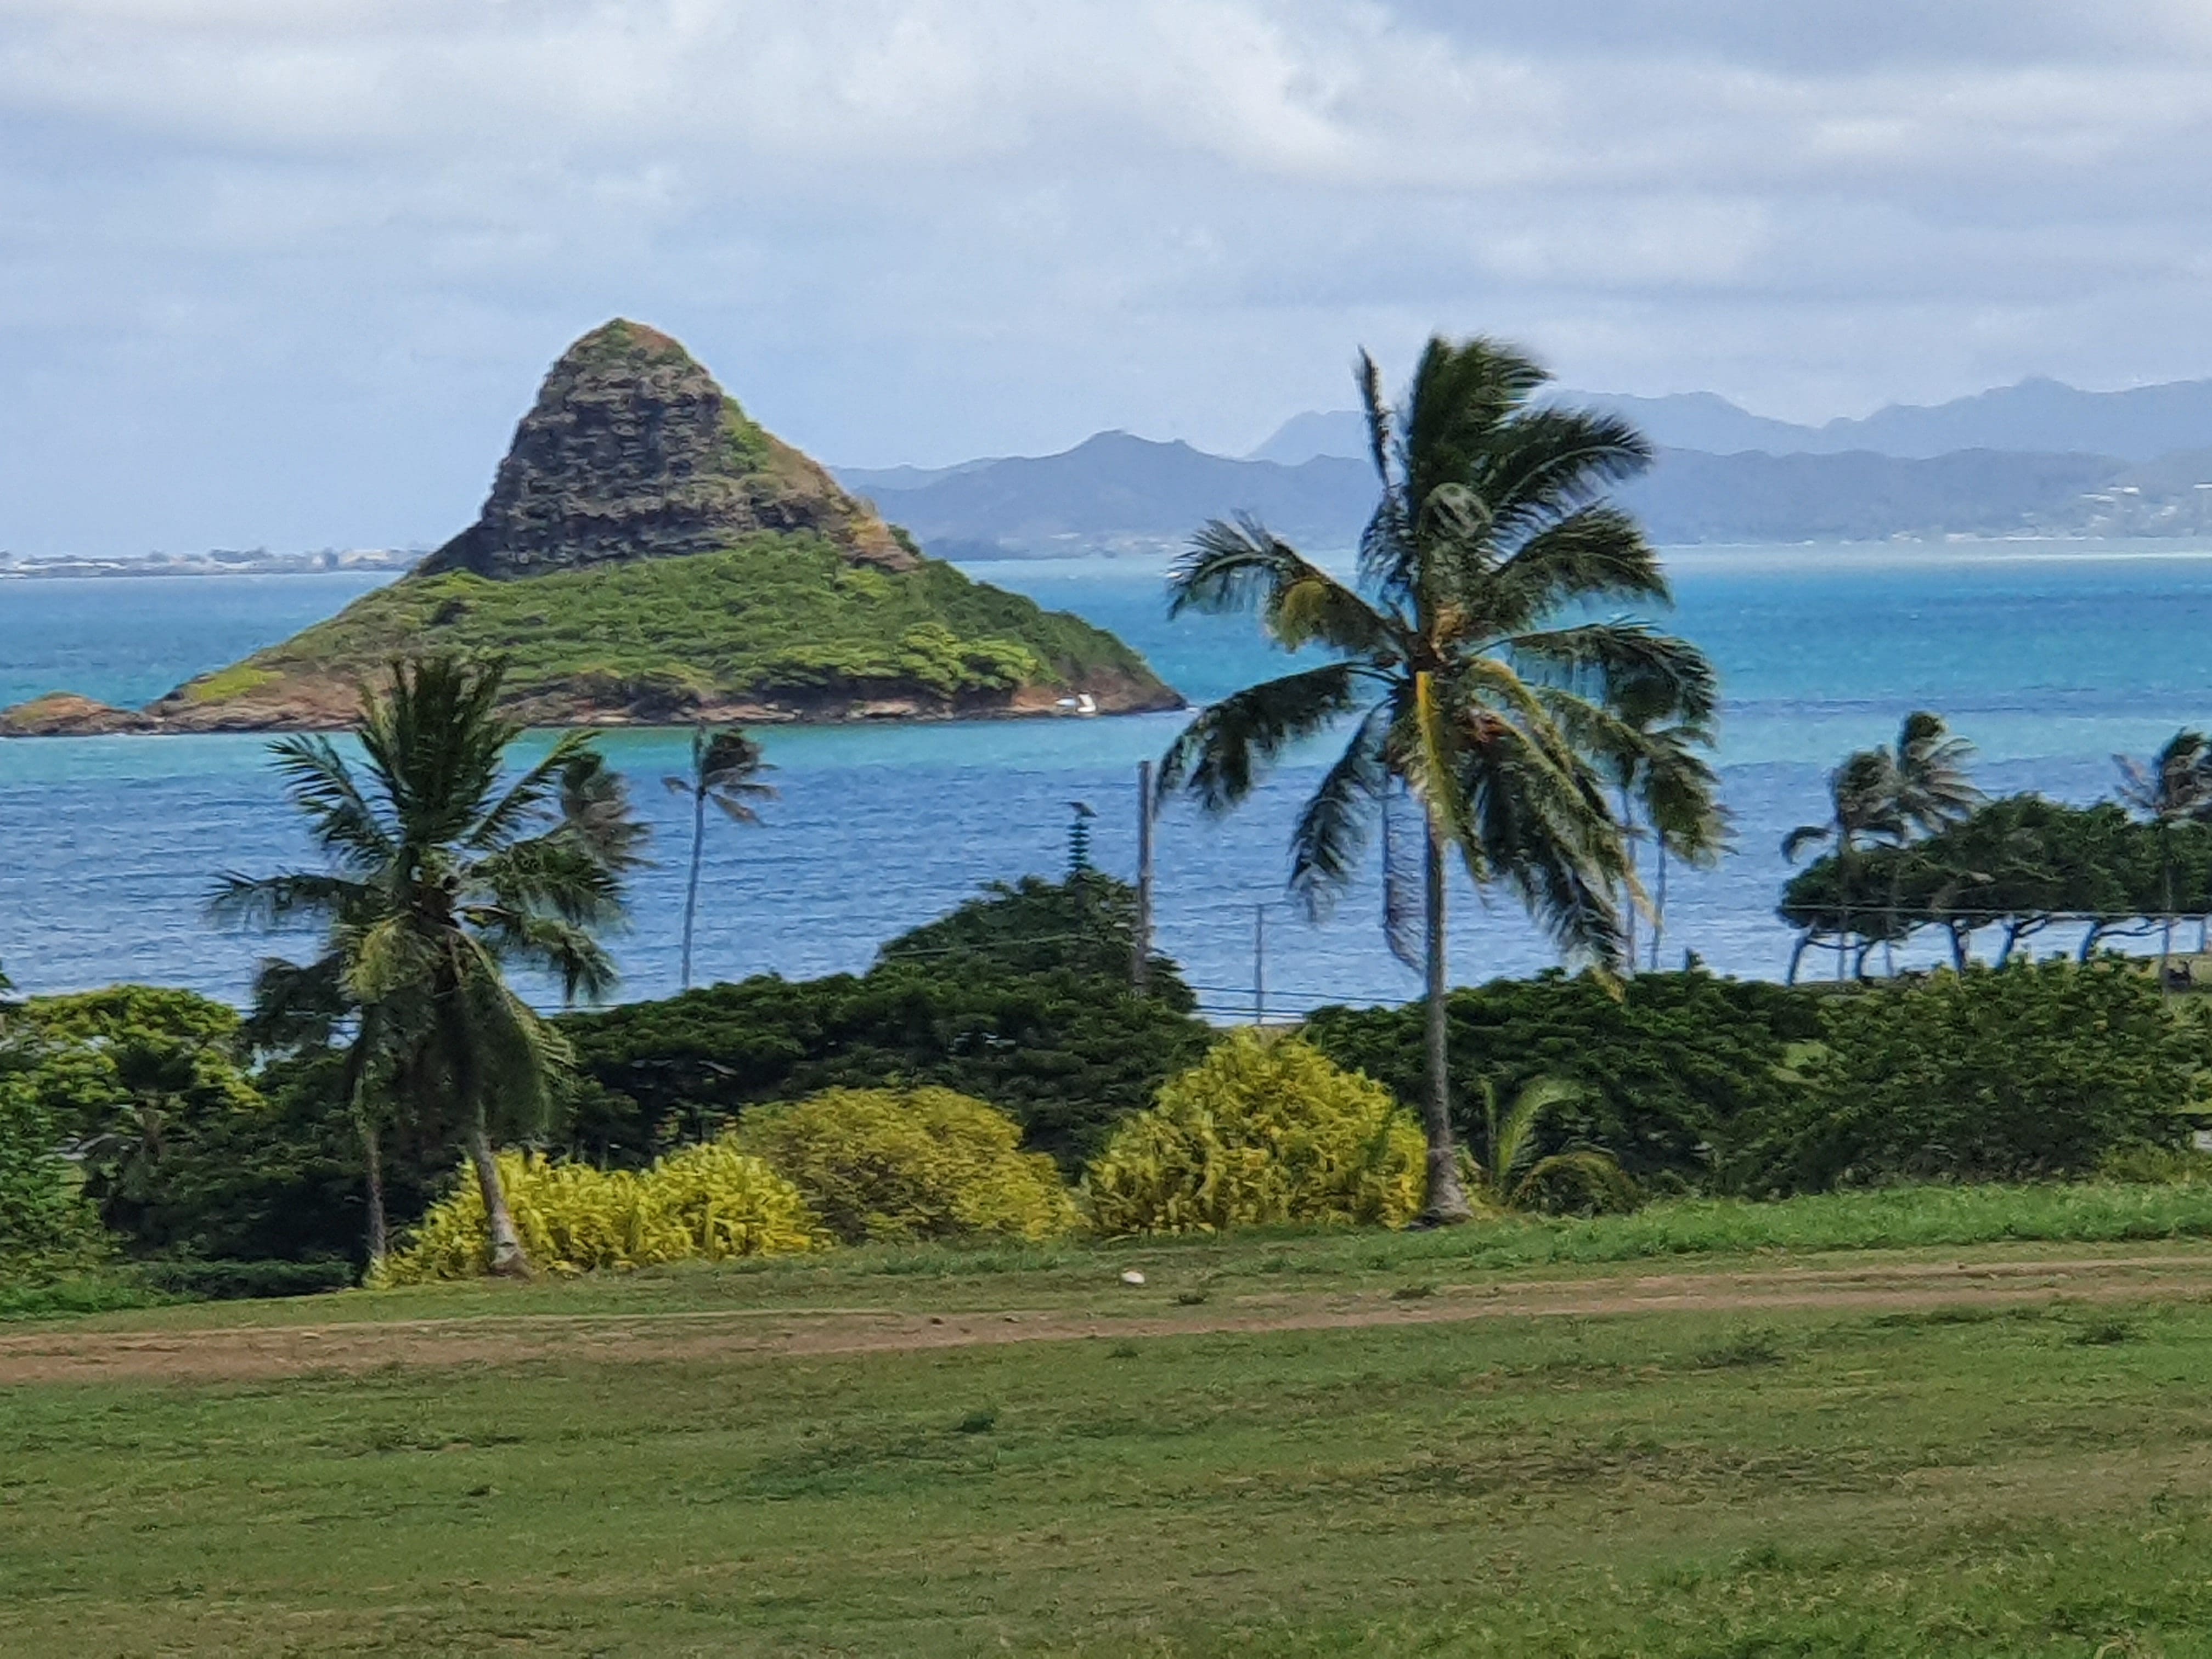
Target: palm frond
{"points": [[1595, 552], [1551, 837], [282, 900], [1239, 566], [1331, 832], [1229, 745], [1805, 836], [1512, 1130], [1401, 884], [595, 810], [1681, 797], [322, 785], [1624, 663], [1548, 463], [296, 1005], [535, 798]]}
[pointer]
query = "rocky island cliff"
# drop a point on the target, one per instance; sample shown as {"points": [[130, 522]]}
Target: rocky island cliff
{"points": [[650, 555]]}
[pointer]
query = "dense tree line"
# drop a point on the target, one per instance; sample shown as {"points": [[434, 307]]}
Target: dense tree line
{"points": [[2019, 874]]}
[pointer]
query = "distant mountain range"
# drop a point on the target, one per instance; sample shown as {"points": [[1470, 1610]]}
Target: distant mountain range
{"points": [[2139, 424], [2036, 459]]}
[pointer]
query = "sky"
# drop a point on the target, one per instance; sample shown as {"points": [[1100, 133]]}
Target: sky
{"points": [[284, 273]]}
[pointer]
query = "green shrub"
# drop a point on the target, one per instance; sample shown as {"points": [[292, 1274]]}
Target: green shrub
{"points": [[1662, 1062], [706, 1203], [2034, 1069], [1584, 1183], [227, 1281], [1264, 1130], [885, 1165], [47, 1226], [149, 1083], [1020, 997]]}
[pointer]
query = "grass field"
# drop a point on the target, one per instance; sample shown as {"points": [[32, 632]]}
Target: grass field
{"points": [[1857, 1426]]}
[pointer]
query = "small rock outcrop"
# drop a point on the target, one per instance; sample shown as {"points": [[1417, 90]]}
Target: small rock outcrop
{"points": [[632, 450], [65, 714]]}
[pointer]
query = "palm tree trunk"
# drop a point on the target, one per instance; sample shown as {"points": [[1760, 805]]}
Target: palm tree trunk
{"points": [[2166, 891], [1628, 886], [1889, 922], [508, 1260], [379, 1232], [1962, 939], [1658, 897], [1797, 956], [691, 892], [1447, 1204], [1842, 906]]}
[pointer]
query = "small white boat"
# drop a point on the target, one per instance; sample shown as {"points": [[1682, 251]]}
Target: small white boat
{"points": [[1082, 703]]}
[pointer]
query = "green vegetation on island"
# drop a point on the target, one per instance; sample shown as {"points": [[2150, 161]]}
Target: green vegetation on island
{"points": [[777, 625]]}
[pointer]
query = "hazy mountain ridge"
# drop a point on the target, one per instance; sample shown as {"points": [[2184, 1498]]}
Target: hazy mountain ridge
{"points": [[2137, 424], [1116, 492]]}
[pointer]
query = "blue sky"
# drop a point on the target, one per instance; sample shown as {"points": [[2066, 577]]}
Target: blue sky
{"points": [[284, 272]]}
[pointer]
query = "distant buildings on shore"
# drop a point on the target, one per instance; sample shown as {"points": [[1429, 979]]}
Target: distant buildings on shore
{"points": [[221, 562]]}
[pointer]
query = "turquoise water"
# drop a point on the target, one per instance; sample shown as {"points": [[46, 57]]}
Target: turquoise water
{"points": [[2049, 657]]}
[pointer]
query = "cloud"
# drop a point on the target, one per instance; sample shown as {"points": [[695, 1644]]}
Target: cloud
{"points": [[285, 272]]}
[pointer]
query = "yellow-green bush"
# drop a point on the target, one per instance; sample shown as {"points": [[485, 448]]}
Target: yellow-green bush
{"points": [[704, 1203], [884, 1164], [1263, 1130]]}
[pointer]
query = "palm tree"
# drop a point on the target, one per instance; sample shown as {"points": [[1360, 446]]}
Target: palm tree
{"points": [[1861, 806], [1509, 1171], [1658, 774], [439, 877], [1471, 680], [2174, 787], [1933, 790], [724, 764], [1928, 773]]}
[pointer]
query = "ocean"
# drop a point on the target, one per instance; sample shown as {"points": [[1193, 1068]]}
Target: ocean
{"points": [[2051, 657]]}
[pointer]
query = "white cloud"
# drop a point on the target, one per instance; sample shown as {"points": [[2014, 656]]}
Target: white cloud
{"points": [[291, 267]]}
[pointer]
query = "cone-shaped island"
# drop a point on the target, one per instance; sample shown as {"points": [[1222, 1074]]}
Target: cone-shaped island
{"points": [[650, 556]]}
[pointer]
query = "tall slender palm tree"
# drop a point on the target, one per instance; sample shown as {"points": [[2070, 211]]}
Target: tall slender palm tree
{"points": [[1933, 791], [1472, 679], [1862, 807], [440, 874], [2174, 787], [1662, 779], [725, 766]]}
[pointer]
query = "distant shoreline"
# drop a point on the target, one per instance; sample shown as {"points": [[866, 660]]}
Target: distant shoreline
{"points": [[394, 564]]}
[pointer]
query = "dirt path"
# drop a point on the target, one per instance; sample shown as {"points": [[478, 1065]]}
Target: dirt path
{"points": [[244, 1352]]}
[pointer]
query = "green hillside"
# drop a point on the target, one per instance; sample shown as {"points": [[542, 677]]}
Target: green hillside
{"points": [[784, 621]]}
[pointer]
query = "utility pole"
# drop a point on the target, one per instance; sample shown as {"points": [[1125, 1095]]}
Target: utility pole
{"points": [[1140, 949], [1259, 964]]}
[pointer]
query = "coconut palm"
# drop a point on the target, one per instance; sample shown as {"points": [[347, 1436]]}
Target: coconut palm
{"points": [[1933, 789], [2174, 787], [1471, 679], [1862, 806], [440, 875], [1660, 778], [724, 765], [1933, 792]]}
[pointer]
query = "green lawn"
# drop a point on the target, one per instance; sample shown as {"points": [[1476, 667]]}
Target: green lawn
{"points": [[2032, 1477]]}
